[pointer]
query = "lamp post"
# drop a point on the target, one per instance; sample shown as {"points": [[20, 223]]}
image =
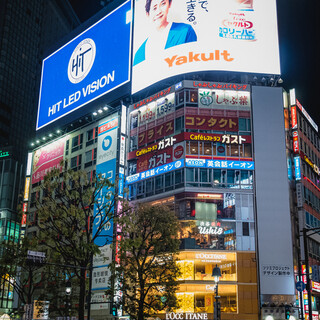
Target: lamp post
{"points": [[216, 274], [68, 298]]}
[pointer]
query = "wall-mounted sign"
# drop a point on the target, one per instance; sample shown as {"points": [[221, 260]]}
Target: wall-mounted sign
{"points": [[154, 97], [295, 138], [85, 68], [155, 172], [310, 163], [207, 228], [186, 316], [210, 98], [223, 86], [299, 192], [294, 120], [4, 154], [158, 132], [240, 38], [306, 114], [200, 122], [297, 167], [26, 189], [227, 164], [223, 138], [46, 158]]}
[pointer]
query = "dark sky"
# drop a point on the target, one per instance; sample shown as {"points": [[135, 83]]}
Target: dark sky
{"points": [[299, 37]]}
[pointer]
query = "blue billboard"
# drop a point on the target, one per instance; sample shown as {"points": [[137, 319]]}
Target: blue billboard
{"points": [[94, 63]]}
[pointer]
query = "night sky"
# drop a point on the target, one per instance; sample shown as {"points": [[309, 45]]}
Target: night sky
{"points": [[299, 35]]}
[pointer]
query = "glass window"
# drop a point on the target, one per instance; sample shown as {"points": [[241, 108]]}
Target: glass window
{"points": [[245, 228]]}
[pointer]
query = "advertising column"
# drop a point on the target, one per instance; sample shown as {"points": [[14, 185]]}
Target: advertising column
{"points": [[106, 166]]}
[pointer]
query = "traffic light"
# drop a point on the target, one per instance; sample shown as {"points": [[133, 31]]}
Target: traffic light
{"points": [[114, 310], [287, 312]]}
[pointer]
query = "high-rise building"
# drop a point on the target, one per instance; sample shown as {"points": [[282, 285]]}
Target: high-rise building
{"points": [[27, 30]]}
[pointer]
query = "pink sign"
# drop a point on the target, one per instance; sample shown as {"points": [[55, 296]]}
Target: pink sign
{"points": [[47, 158]]}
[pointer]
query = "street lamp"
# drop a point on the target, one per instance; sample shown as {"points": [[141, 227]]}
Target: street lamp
{"points": [[216, 274]]}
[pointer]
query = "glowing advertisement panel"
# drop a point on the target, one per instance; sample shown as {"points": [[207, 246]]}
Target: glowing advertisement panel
{"points": [[297, 167], [176, 37], [94, 63], [227, 164], [106, 166], [46, 158]]}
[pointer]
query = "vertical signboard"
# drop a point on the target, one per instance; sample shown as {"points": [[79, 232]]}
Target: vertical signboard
{"points": [[297, 167], [106, 167], [274, 240]]}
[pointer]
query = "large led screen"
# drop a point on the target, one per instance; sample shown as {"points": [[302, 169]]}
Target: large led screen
{"points": [[172, 37], [89, 66]]}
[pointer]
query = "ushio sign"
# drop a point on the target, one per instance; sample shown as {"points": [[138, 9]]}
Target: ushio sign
{"points": [[186, 316]]}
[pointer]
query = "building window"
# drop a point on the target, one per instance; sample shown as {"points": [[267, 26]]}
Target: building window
{"points": [[77, 142], [92, 136], [75, 163]]}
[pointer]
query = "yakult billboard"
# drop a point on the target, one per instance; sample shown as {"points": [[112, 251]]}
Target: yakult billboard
{"points": [[172, 37]]}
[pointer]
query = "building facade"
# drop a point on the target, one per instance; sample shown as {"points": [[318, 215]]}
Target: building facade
{"points": [[27, 30]]}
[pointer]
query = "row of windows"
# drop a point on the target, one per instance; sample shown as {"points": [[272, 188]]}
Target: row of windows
{"points": [[311, 199], [77, 141], [309, 152], [218, 149], [305, 127], [310, 173], [192, 177]]}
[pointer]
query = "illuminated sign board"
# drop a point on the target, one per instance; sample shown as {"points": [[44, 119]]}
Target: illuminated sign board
{"points": [[294, 120], [4, 154], [179, 42], [215, 98], [297, 168], [295, 141], [155, 172], [310, 163], [227, 164], [186, 316], [46, 158], [26, 189], [306, 114], [94, 63]]}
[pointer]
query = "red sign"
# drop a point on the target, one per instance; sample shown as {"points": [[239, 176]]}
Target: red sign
{"points": [[295, 142], [25, 206], [109, 125], [315, 286], [155, 159], [158, 132], [23, 220], [152, 98], [294, 121], [178, 152], [213, 85], [222, 138], [211, 123]]}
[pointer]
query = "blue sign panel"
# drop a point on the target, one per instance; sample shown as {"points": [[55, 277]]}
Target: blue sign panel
{"points": [[106, 166], [227, 164], [155, 172], [89, 66], [297, 169]]}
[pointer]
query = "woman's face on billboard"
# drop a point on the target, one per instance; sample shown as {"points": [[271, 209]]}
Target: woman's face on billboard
{"points": [[158, 13]]}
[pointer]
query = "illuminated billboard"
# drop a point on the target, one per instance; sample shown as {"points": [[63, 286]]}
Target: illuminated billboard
{"points": [[47, 158], [94, 63], [175, 37]]}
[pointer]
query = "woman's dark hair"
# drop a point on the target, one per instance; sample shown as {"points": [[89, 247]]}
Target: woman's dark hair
{"points": [[148, 5]]}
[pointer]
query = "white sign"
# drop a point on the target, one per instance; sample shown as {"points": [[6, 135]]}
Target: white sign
{"points": [[105, 256], [100, 278], [187, 36]]}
